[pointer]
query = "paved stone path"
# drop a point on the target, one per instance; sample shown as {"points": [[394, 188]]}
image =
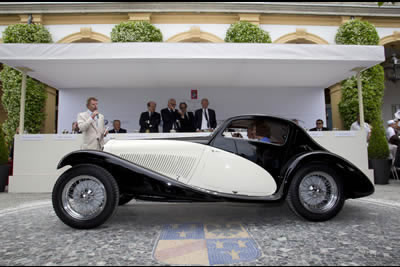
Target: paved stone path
{"points": [[366, 232]]}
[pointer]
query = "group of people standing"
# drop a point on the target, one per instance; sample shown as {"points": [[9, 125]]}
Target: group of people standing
{"points": [[91, 123], [392, 135], [174, 120]]}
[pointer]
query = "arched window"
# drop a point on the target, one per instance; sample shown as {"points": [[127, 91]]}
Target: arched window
{"points": [[195, 36], [301, 36], [86, 35]]}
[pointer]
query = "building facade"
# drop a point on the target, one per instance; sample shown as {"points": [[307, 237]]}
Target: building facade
{"points": [[296, 23]]}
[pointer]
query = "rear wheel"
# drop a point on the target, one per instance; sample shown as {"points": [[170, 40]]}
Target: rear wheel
{"points": [[85, 196], [316, 193]]}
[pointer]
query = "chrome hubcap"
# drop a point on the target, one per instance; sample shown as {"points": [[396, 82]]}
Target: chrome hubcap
{"points": [[318, 192], [84, 197]]}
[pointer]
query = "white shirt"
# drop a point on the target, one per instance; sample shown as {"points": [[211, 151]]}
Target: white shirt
{"points": [[390, 132], [95, 118], [356, 127], [204, 120]]}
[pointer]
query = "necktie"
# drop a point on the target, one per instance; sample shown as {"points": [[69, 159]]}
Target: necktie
{"points": [[208, 122]]}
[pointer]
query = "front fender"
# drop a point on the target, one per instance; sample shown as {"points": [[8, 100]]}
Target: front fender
{"points": [[108, 161], [136, 180], [356, 183]]}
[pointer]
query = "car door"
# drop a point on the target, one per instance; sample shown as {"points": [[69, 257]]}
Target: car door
{"points": [[266, 146]]}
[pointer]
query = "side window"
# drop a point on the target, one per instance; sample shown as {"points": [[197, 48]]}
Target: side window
{"points": [[268, 130], [237, 129]]}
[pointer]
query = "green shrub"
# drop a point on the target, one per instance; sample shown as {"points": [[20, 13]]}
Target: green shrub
{"points": [[136, 31], [11, 80], [373, 91], [378, 147], [357, 32], [3, 149], [246, 32], [26, 33]]}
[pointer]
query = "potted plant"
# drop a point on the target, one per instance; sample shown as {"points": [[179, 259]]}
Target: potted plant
{"points": [[378, 153], [4, 167]]}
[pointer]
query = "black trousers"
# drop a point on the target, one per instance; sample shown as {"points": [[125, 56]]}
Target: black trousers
{"points": [[395, 140]]}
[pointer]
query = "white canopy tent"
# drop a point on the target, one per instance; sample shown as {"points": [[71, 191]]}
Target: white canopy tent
{"points": [[158, 65]]}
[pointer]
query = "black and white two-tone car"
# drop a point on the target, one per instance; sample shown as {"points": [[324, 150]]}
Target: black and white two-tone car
{"points": [[249, 158]]}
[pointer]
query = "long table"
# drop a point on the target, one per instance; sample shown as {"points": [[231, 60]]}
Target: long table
{"points": [[36, 156]]}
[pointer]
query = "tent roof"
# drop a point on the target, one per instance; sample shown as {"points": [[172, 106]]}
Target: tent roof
{"points": [[189, 65]]}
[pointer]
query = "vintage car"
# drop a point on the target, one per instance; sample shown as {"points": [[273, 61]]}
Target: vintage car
{"points": [[248, 158]]}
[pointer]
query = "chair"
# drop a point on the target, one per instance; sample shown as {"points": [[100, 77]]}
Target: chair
{"points": [[393, 151]]}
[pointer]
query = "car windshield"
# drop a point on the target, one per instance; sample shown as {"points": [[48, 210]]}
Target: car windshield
{"points": [[217, 129]]}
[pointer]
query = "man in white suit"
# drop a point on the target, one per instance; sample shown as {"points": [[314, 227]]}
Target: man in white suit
{"points": [[91, 123]]}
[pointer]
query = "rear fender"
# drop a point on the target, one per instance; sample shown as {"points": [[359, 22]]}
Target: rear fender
{"points": [[356, 183]]}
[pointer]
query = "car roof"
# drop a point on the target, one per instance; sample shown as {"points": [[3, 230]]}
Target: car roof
{"points": [[243, 116]]}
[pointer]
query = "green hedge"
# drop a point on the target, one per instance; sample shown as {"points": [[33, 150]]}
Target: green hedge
{"points": [[378, 146], [3, 149], [11, 80], [26, 33], [357, 32], [136, 31], [246, 32]]}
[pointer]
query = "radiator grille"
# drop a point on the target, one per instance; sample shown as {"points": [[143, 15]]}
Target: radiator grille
{"points": [[174, 166]]}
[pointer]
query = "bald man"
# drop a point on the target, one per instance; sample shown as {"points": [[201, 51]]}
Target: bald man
{"points": [[150, 119]]}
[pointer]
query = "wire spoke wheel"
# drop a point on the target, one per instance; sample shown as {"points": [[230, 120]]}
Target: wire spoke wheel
{"points": [[318, 192], [84, 197]]}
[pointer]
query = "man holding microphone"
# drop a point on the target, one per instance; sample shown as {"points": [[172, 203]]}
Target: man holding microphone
{"points": [[91, 123]]}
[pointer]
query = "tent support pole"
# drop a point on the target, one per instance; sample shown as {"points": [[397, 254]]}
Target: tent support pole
{"points": [[22, 107], [360, 100]]}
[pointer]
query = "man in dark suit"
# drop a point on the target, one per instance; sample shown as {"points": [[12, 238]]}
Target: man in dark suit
{"points": [[205, 118], [170, 117], [186, 119], [117, 127], [150, 120], [319, 126]]}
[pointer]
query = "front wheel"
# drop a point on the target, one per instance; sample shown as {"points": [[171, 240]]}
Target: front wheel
{"points": [[316, 193], [85, 196]]}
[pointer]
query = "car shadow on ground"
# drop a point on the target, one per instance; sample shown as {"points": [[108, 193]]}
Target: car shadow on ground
{"points": [[150, 213]]}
